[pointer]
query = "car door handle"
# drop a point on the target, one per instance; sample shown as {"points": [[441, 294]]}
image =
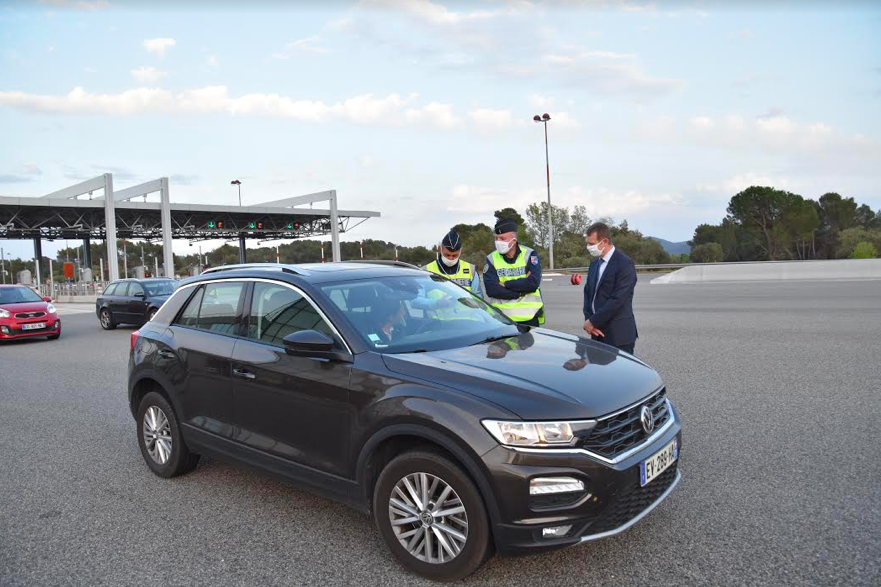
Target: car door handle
{"points": [[243, 373], [165, 354]]}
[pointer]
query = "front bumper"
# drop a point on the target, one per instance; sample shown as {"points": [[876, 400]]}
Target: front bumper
{"points": [[11, 328], [613, 499]]}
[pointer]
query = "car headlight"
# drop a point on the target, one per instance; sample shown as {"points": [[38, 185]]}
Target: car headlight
{"points": [[536, 434], [4, 313], [50, 308]]}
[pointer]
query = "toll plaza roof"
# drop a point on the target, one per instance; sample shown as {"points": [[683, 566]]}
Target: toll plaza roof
{"points": [[51, 218]]}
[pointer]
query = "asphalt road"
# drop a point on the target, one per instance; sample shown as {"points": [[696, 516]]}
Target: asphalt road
{"points": [[778, 384]]}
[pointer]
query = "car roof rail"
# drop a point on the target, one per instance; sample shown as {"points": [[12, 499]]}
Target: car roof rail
{"points": [[266, 266], [387, 262]]}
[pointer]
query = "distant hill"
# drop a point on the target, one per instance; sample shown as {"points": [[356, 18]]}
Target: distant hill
{"points": [[680, 248]]}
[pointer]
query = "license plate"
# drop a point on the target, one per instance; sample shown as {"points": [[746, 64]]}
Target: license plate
{"points": [[33, 326], [654, 466]]}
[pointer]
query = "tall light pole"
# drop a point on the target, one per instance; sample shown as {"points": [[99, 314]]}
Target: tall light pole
{"points": [[239, 184], [544, 118]]}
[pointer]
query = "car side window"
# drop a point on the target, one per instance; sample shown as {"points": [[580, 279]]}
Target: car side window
{"points": [[277, 311], [219, 308], [121, 289], [135, 288], [110, 289], [190, 315]]}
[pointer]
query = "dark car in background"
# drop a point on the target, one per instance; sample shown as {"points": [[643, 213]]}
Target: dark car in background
{"points": [[398, 392], [132, 301], [24, 314]]}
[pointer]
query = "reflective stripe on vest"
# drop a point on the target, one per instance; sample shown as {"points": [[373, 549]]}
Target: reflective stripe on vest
{"points": [[526, 306], [461, 277]]}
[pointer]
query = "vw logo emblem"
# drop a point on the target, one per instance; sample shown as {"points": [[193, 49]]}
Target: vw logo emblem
{"points": [[647, 419]]}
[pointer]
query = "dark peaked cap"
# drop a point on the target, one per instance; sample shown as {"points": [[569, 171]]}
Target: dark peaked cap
{"points": [[504, 225], [452, 241]]}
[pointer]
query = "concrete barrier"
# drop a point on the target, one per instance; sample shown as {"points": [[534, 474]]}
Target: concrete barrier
{"points": [[837, 269], [65, 299]]}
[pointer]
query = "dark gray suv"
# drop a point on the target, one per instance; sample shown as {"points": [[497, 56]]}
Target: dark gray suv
{"points": [[401, 394]]}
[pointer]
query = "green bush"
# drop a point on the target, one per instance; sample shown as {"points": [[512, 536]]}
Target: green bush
{"points": [[864, 250], [707, 253], [576, 262]]}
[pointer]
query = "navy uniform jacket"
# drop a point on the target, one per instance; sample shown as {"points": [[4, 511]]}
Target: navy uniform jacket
{"points": [[614, 299], [514, 288]]}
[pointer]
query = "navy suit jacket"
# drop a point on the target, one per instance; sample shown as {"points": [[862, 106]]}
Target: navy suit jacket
{"points": [[614, 299]]}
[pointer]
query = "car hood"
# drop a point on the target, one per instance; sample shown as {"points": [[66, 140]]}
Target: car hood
{"points": [[538, 375], [160, 299], [25, 307]]}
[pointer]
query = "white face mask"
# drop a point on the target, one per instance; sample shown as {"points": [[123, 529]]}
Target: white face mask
{"points": [[594, 250], [449, 262], [504, 246]]}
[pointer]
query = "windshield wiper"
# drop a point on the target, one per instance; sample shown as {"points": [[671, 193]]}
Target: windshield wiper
{"points": [[493, 338]]}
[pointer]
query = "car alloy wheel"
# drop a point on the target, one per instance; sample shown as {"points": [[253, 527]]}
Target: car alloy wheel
{"points": [[428, 518], [157, 435]]}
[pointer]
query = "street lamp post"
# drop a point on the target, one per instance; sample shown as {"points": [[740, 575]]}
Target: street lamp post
{"points": [[236, 182], [544, 118]]}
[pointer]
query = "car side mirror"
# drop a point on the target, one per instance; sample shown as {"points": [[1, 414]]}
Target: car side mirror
{"points": [[139, 294], [311, 343], [47, 299]]}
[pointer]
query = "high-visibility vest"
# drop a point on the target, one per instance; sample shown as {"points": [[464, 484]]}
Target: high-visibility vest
{"points": [[463, 277], [526, 306]]}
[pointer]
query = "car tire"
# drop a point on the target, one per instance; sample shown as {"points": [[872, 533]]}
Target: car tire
{"points": [[106, 319], [422, 468], [160, 439], [54, 336], [151, 313]]}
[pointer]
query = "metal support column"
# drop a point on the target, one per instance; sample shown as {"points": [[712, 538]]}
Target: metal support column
{"points": [[243, 255], [38, 257], [165, 212], [110, 228], [334, 228], [87, 253]]}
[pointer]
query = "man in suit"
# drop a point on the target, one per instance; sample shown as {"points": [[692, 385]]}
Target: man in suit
{"points": [[608, 293]]}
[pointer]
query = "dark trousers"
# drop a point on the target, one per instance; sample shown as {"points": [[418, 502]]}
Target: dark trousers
{"points": [[627, 348]]}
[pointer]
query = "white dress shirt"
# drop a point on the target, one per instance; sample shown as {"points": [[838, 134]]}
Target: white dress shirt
{"points": [[602, 269]]}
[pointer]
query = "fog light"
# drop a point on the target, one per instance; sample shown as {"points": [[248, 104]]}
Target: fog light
{"points": [[555, 531], [546, 485], [4, 329]]}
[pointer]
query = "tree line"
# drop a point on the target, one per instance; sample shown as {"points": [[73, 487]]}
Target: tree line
{"points": [[767, 224]]}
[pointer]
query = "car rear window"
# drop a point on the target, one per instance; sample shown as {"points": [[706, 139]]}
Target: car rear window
{"points": [[110, 289], [121, 289]]}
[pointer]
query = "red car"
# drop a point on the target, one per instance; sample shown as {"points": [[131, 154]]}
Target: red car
{"points": [[24, 314]]}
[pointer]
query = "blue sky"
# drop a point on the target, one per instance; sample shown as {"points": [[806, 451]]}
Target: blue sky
{"points": [[422, 109]]}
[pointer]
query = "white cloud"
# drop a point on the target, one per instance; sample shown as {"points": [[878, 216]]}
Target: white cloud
{"points": [[434, 113], [431, 12], [147, 75], [308, 45], [212, 62], [89, 5], [541, 102], [363, 109], [487, 119], [605, 202], [158, 46]]}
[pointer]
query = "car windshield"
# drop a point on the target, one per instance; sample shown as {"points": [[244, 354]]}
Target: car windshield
{"points": [[160, 288], [18, 295], [414, 313]]}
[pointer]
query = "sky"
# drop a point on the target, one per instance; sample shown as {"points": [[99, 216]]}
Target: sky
{"points": [[422, 109]]}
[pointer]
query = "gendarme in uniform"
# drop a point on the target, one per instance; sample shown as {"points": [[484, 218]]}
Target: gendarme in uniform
{"points": [[513, 283]]}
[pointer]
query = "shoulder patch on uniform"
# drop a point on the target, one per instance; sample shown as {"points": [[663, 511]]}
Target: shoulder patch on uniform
{"points": [[486, 267], [533, 259]]}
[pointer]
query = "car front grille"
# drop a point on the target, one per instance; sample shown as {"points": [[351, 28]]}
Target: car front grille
{"points": [[618, 434], [632, 503], [30, 314]]}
